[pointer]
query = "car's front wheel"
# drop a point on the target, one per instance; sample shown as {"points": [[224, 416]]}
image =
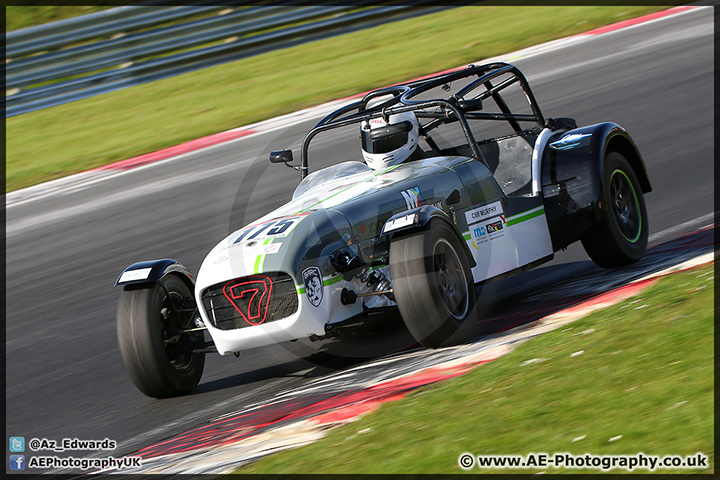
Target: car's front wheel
{"points": [[621, 237], [157, 354], [433, 285]]}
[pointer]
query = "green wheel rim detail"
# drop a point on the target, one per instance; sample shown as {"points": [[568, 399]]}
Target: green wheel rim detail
{"points": [[626, 207]]}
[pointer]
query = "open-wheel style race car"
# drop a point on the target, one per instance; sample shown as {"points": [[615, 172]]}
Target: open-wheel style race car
{"points": [[460, 180]]}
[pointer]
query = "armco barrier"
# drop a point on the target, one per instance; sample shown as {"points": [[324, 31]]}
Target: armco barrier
{"points": [[86, 27], [100, 52]]}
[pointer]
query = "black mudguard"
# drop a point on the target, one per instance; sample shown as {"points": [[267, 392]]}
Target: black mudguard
{"points": [[572, 176], [421, 217], [151, 272]]}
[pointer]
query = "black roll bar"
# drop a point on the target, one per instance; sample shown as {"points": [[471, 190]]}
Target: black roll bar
{"points": [[446, 104], [403, 101]]}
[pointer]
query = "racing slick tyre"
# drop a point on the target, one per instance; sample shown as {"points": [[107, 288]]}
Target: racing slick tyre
{"points": [[433, 285], [160, 361], [621, 237]]}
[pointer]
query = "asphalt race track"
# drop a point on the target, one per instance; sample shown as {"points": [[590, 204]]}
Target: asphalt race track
{"points": [[65, 377]]}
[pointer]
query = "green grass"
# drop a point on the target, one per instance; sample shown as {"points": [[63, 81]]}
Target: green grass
{"points": [[70, 138], [645, 372]]}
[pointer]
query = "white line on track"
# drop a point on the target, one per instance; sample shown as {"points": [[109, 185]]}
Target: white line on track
{"points": [[694, 224], [54, 216]]}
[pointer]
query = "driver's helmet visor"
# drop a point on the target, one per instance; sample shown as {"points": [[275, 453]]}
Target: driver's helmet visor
{"points": [[386, 138]]}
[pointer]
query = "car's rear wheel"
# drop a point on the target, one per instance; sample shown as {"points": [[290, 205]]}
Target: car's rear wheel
{"points": [[158, 357], [433, 285], [621, 237]]}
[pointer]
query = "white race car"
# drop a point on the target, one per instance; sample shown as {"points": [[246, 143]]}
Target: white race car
{"points": [[415, 235]]}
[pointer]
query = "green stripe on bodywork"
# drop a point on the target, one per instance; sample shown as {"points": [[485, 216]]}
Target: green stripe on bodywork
{"points": [[329, 281], [467, 236], [525, 216], [260, 260], [346, 189], [258, 264], [332, 280]]}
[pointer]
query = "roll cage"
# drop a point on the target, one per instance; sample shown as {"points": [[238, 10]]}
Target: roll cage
{"points": [[464, 104]]}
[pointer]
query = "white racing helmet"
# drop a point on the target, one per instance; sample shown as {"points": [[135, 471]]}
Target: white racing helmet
{"points": [[385, 144]]}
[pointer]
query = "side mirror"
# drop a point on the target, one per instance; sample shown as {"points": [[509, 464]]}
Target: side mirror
{"points": [[472, 104], [282, 156]]}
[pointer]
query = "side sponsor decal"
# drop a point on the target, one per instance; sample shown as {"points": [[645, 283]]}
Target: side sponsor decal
{"points": [[313, 285], [488, 230], [412, 198], [491, 228], [486, 211], [494, 227]]}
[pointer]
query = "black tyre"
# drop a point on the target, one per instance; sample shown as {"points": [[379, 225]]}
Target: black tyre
{"points": [[433, 285], [621, 237], [159, 360]]}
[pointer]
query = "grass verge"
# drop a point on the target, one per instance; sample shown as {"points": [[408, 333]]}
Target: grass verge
{"points": [[642, 382], [70, 138]]}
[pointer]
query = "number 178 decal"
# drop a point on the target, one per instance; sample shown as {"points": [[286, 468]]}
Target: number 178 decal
{"points": [[280, 227]]}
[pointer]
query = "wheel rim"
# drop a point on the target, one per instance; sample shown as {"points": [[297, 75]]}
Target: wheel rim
{"points": [[626, 206], [179, 352], [451, 279]]}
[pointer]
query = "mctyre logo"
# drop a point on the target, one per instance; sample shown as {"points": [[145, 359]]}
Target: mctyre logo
{"points": [[250, 296]]}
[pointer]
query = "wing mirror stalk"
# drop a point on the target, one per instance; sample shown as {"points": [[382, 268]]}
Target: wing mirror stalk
{"points": [[283, 156]]}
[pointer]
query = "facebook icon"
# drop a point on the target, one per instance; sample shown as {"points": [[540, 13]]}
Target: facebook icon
{"points": [[17, 462]]}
